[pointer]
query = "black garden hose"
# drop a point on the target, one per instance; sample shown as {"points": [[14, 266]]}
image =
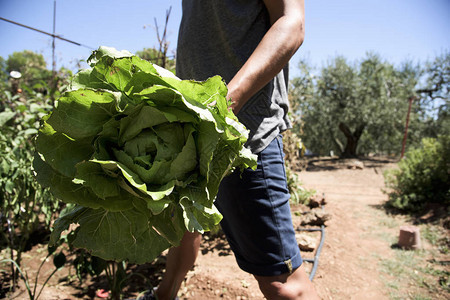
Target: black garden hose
{"points": [[315, 261]]}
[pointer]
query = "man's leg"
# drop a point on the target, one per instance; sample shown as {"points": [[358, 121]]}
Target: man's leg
{"points": [[179, 261], [295, 286], [258, 225]]}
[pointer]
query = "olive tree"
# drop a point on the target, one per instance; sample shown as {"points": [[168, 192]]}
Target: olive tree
{"points": [[355, 108]]}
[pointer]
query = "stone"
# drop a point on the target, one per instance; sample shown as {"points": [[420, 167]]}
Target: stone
{"points": [[317, 200], [306, 242], [409, 237], [315, 216], [355, 164]]}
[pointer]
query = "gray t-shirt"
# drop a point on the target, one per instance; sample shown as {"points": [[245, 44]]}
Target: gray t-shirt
{"points": [[216, 37]]}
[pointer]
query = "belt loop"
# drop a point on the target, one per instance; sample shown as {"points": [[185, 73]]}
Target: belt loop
{"points": [[289, 265]]}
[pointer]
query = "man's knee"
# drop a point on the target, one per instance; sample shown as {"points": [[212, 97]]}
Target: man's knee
{"points": [[279, 290], [287, 286]]}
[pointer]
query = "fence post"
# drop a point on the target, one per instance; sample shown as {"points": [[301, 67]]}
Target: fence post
{"points": [[406, 127]]}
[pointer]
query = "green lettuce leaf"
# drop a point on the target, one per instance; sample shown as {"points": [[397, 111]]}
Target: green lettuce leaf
{"points": [[140, 153]]}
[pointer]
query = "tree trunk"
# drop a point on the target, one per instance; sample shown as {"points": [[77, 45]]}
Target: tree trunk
{"points": [[338, 144], [352, 139]]}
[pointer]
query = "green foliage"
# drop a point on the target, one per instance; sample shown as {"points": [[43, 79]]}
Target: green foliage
{"points": [[141, 153], [437, 76], [25, 205], [353, 108], [433, 96], [411, 274], [157, 57], [86, 264], [59, 261], [301, 94], [358, 108], [386, 90], [36, 78], [293, 152], [299, 194], [31, 65], [422, 176], [3, 72]]}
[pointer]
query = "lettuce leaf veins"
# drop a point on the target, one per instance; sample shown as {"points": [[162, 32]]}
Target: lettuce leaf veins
{"points": [[140, 154]]}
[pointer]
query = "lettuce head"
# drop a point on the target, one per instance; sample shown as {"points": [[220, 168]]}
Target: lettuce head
{"points": [[140, 154]]}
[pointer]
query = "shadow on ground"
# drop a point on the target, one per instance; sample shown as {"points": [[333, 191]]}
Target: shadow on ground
{"points": [[336, 163]]}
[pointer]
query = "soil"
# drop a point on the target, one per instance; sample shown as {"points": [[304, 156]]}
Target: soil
{"points": [[349, 262]]}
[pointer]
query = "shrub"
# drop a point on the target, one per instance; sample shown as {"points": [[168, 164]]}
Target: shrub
{"points": [[294, 150], [25, 206], [422, 176]]}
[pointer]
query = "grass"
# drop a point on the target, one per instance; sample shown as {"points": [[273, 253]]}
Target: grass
{"points": [[437, 237], [420, 274]]}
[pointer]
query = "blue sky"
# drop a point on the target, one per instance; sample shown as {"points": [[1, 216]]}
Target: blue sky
{"points": [[398, 30]]}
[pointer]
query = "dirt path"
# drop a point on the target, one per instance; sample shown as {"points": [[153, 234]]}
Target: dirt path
{"points": [[354, 241], [348, 266], [359, 241]]}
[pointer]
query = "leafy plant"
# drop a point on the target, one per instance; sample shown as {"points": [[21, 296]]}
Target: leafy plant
{"points": [[116, 276], [422, 176], [25, 205], [31, 65], [58, 261], [294, 150], [141, 154], [87, 264], [354, 108]]}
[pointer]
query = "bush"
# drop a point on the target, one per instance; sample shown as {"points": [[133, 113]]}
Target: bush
{"points": [[25, 206], [293, 153], [422, 176]]}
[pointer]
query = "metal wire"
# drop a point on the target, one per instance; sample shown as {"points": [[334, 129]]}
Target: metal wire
{"points": [[47, 33]]}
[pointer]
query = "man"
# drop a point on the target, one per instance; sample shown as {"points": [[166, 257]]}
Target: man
{"points": [[249, 43]]}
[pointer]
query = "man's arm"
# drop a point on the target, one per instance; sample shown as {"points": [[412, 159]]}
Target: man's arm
{"points": [[278, 45]]}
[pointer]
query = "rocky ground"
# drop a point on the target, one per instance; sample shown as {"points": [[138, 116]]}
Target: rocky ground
{"points": [[359, 258]]}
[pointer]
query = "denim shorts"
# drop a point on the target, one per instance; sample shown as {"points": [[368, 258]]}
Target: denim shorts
{"points": [[257, 218]]}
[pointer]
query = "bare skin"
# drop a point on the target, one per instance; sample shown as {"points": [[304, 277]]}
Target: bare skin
{"points": [[274, 51], [295, 286], [179, 261], [272, 54], [279, 44]]}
